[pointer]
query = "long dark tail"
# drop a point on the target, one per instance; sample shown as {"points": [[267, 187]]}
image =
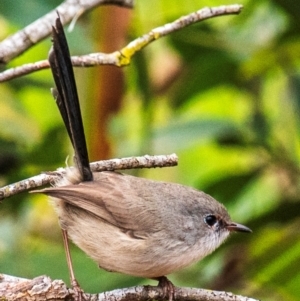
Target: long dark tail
{"points": [[67, 98]]}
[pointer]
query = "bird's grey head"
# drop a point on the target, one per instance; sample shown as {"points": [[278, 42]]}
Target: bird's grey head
{"points": [[215, 224]]}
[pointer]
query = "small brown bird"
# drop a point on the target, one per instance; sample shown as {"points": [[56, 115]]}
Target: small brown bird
{"points": [[127, 224], [140, 227]]}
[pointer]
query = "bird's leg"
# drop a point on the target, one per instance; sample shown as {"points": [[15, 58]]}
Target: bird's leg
{"points": [[75, 285], [167, 287]]}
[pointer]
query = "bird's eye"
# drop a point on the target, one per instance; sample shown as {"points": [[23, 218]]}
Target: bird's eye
{"points": [[210, 220]]}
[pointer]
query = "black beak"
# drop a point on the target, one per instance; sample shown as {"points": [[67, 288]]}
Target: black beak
{"points": [[238, 228]]}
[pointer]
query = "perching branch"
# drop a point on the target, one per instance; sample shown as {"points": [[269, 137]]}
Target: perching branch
{"points": [[19, 289], [19, 42], [123, 57], [105, 165]]}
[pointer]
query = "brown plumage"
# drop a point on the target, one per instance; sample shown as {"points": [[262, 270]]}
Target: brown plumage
{"points": [[137, 226]]}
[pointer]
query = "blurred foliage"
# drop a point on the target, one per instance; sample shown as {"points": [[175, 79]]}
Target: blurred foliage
{"points": [[223, 94]]}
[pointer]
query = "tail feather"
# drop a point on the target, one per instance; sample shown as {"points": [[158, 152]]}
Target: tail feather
{"points": [[67, 98]]}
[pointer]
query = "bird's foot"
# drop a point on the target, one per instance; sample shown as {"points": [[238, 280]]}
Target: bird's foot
{"points": [[167, 287], [77, 291]]}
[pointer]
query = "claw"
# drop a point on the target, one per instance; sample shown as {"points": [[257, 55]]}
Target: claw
{"points": [[78, 292], [167, 287]]}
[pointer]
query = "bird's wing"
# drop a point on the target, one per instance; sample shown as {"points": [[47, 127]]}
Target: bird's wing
{"points": [[117, 199]]}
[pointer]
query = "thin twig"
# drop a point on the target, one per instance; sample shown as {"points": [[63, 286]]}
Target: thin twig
{"points": [[19, 42], [105, 165], [123, 57]]}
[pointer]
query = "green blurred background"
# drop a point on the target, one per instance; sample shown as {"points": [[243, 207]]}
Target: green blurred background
{"points": [[223, 94]]}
